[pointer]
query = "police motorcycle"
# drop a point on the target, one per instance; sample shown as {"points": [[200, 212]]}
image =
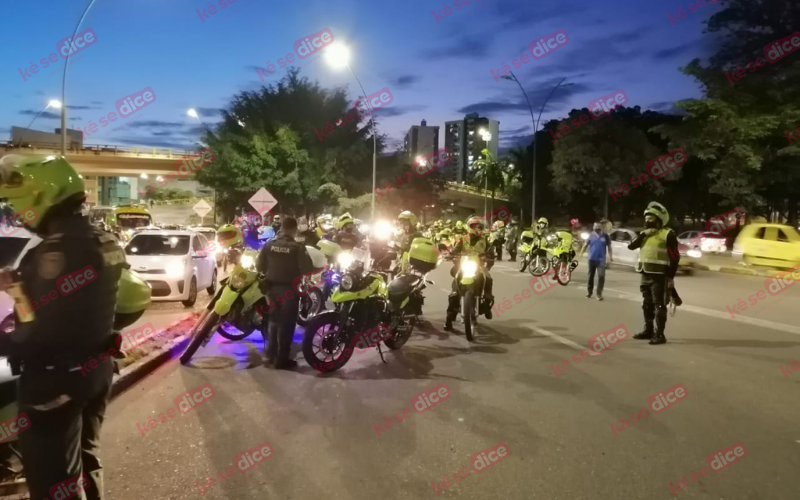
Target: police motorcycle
{"points": [[364, 302], [525, 249], [470, 280], [238, 308], [563, 260], [315, 289]]}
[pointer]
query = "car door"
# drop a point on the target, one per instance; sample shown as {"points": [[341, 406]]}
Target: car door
{"points": [[199, 263], [619, 246], [210, 256]]}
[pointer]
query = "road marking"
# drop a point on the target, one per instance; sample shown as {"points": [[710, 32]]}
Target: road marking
{"points": [[762, 323], [559, 338]]}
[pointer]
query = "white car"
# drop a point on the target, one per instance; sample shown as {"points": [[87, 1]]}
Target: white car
{"points": [[175, 263], [622, 237], [703, 241]]}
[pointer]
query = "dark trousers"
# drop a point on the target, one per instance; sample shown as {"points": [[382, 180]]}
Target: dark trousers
{"points": [[63, 440], [498, 249], [598, 266], [654, 303], [511, 248], [282, 320]]}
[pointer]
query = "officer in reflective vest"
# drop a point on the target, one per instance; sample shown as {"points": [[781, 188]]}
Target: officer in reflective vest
{"points": [[474, 243], [658, 262], [66, 292]]}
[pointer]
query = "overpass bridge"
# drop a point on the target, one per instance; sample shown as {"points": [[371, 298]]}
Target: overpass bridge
{"points": [[133, 161]]}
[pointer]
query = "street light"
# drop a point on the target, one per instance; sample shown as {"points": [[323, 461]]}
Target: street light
{"points": [[338, 56], [191, 112], [53, 103], [535, 123], [64, 84], [486, 136]]}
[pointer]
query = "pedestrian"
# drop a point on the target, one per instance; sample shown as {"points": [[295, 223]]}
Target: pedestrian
{"points": [[597, 243], [658, 262], [281, 261], [64, 406], [512, 239]]}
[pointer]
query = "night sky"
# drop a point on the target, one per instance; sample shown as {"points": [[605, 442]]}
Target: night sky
{"points": [[436, 71]]}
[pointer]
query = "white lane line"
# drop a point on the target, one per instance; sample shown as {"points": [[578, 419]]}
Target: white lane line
{"points": [[559, 338], [761, 323]]}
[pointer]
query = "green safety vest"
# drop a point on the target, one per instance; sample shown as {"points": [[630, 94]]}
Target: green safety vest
{"points": [[653, 255], [478, 248]]}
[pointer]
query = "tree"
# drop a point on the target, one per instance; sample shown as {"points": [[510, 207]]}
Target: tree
{"points": [[489, 173]]}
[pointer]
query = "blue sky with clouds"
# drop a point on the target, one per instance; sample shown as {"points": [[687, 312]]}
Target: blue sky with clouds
{"points": [[436, 71]]}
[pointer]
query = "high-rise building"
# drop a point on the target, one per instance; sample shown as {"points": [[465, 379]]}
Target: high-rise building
{"points": [[421, 140], [464, 141]]}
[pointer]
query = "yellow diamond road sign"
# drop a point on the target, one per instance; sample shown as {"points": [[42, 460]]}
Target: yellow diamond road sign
{"points": [[202, 208], [263, 201]]}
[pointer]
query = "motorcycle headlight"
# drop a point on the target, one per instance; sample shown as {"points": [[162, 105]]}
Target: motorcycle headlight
{"points": [[175, 269], [239, 280], [469, 268], [584, 236], [383, 231], [549, 238], [347, 282], [345, 259], [247, 261]]}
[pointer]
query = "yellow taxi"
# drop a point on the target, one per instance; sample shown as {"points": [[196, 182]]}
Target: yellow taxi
{"points": [[774, 245]]}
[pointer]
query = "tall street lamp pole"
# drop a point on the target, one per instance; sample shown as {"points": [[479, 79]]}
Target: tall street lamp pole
{"points": [[52, 104], [339, 55], [64, 84], [486, 136], [535, 124]]}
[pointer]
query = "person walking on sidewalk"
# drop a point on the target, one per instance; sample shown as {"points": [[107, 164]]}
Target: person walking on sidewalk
{"points": [[658, 262], [598, 242]]}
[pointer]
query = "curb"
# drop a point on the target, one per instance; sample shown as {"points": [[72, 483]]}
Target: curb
{"points": [[131, 374], [742, 271]]}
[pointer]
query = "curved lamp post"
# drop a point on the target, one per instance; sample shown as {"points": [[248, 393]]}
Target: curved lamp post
{"points": [[64, 84], [338, 55], [535, 124], [53, 103]]}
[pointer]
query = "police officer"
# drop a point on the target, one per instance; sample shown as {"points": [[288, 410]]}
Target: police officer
{"points": [[475, 243], [305, 235], [65, 292], [658, 262], [281, 261], [346, 236], [512, 239]]}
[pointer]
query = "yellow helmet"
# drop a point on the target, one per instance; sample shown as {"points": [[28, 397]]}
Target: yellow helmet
{"points": [[410, 217], [659, 211], [476, 226], [344, 220], [460, 225], [229, 235], [498, 224]]}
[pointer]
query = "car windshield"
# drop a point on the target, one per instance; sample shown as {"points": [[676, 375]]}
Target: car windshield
{"points": [[712, 235], [157, 244], [132, 221]]}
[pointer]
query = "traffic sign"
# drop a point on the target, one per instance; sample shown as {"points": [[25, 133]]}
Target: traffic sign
{"points": [[202, 208], [263, 201]]}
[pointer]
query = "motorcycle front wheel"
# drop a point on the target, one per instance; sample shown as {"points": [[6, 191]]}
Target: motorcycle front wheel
{"points": [[468, 313], [324, 343], [398, 338], [562, 272], [539, 265], [203, 331]]}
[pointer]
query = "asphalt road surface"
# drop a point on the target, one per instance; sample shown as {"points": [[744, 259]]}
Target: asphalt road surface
{"points": [[557, 416]]}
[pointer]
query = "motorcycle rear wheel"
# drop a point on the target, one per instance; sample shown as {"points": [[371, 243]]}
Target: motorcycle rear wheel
{"points": [[204, 331], [399, 339], [467, 310]]}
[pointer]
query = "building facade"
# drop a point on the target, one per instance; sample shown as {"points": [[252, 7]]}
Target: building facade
{"points": [[420, 140], [464, 140]]}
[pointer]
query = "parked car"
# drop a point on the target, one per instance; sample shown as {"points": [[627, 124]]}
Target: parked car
{"points": [[622, 237], [705, 241], [210, 234], [763, 244], [175, 263]]}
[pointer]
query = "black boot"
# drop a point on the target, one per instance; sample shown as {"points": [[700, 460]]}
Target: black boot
{"points": [[486, 306], [453, 306], [646, 334], [659, 338], [661, 325]]}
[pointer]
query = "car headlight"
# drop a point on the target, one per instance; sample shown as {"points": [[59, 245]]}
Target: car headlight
{"points": [[247, 261], [345, 259], [469, 269], [175, 269], [347, 282], [696, 254]]}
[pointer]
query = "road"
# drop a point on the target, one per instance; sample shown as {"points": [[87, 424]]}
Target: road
{"points": [[561, 425]]}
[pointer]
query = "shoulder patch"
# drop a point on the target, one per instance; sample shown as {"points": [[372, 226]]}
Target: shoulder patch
{"points": [[51, 264]]}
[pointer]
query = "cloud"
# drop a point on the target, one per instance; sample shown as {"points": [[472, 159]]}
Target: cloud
{"points": [[209, 112], [513, 101], [397, 111], [475, 47], [403, 81], [683, 49], [156, 123], [45, 114], [70, 106], [99, 103]]}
